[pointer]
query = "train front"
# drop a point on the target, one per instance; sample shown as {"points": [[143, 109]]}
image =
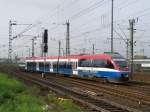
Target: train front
{"points": [[121, 67], [122, 71]]}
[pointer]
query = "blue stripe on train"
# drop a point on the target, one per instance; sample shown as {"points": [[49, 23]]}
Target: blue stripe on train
{"points": [[63, 71], [109, 74], [41, 69]]}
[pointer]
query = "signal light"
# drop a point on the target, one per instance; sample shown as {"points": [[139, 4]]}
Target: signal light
{"points": [[45, 37], [45, 48]]}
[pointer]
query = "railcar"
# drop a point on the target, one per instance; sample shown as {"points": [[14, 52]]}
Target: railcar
{"points": [[99, 65]]}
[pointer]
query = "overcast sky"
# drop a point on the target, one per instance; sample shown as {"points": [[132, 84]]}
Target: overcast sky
{"points": [[89, 24]]}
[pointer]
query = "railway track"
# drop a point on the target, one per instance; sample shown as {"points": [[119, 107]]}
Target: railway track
{"points": [[118, 91], [140, 87], [99, 105], [93, 106]]}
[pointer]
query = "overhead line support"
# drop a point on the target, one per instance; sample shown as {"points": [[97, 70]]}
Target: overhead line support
{"points": [[68, 39], [10, 40], [112, 17], [131, 23]]}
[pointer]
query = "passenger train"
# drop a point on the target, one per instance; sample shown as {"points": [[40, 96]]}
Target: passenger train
{"points": [[110, 67]]}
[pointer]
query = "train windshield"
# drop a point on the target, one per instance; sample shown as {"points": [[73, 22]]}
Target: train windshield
{"points": [[121, 64]]}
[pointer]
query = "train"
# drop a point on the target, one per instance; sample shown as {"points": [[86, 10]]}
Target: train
{"points": [[111, 68]]}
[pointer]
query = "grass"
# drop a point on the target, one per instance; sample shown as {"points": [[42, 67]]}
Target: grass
{"points": [[16, 97], [67, 105]]}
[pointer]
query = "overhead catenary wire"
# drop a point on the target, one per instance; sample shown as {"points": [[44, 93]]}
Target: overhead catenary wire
{"points": [[38, 21], [23, 31], [83, 35], [87, 10]]}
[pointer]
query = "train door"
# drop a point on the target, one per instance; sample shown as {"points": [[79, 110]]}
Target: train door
{"points": [[74, 68], [37, 66], [51, 66], [26, 65]]}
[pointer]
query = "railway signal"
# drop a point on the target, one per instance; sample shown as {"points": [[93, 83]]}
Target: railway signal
{"points": [[45, 49], [45, 41]]}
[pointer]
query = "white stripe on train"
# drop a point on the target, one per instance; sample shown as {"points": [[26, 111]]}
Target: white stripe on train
{"points": [[97, 69]]}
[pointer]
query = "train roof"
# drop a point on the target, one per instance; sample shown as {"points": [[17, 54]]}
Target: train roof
{"points": [[114, 55], [103, 56]]}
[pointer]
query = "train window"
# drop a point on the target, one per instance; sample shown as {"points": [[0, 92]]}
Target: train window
{"points": [[99, 63], [74, 66], [54, 65], [28, 64], [62, 65], [121, 64], [31, 64], [42, 65], [85, 63], [68, 65], [47, 65], [109, 65], [59, 64], [80, 63]]}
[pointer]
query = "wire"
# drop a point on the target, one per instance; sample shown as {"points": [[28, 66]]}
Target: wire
{"points": [[120, 36], [122, 31], [37, 21], [128, 4], [87, 10]]}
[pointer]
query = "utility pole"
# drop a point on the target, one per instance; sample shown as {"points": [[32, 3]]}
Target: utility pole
{"points": [[59, 53], [63, 52], [68, 39], [83, 50], [29, 52], [33, 47], [93, 48], [127, 50], [112, 27], [33, 43], [42, 45], [131, 23], [11, 23], [10, 40], [59, 50]]}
